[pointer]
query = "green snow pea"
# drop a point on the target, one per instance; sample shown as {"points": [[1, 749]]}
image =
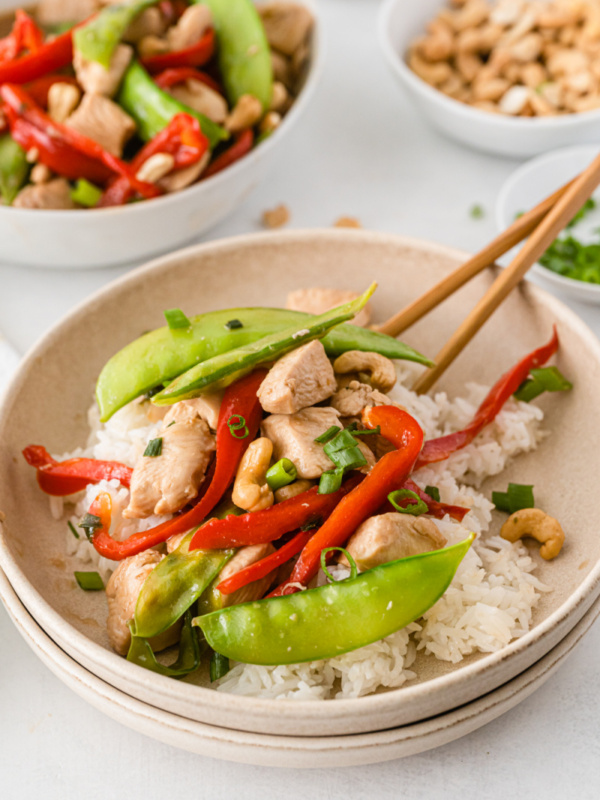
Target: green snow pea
{"points": [[98, 39], [14, 168], [152, 109], [188, 660], [226, 368], [334, 619], [243, 50], [163, 354]]}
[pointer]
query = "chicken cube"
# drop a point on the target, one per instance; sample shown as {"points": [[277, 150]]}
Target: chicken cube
{"points": [[163, 484], [201, 98], [318, 301], [206, 406], [54, 194], [244, 557], [298, 380], [388, 537], [105, 122], [352, 399], [96, 79], [287, 25]]}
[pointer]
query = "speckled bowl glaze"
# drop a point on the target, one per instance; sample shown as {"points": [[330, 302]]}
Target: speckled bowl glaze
{"points": [[48, 399], [305, 752]]}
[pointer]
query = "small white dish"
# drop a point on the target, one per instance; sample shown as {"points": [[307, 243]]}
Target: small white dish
{"points": [[530, 184], [401, 21], [310, 752], [107, 236]]}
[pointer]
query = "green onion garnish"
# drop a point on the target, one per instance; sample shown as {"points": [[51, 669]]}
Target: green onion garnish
{"points": [[176, 319], [545, 379], [85, 193], [517, 497], [330, 481], [329, 434], [89, 581], [351, 561], [237, 426], [219, 666], [89, 523], [416, 507], [589, 205], [433, 492], [233, 324], [72, 529], [153, 448], [342, 449], [281, 473]]}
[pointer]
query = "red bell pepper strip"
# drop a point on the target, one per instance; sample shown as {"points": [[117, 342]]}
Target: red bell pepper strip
{"points": [[272, 523], [39, 88], [266, 565], [239, 400], [23, 107], [25, 35], [363, 501], [175, 75], [194, 56], [61, 478], [242, 145], [182, 138], [440, 448], [50, 57]]}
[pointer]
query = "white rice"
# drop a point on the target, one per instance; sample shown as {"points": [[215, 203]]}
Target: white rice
{"points": [[489, 603]]}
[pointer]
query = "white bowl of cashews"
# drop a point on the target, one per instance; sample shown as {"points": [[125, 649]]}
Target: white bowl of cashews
{"points": [[502, 86]]}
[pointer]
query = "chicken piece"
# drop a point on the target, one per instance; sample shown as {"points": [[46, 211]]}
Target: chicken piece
{"points": [[287, 25], [96, 79], [57, 12], [317, 301], [174, 542], [149, 23], [387, 537], [54, 194], [206, 406], [201, 98], [351, 400], [244, 557], [293, 437], [163, 484], [122, 592], [105, 122], [298, 380], [190, 28]]}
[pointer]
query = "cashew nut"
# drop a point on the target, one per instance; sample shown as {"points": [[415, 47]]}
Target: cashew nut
{"points": [[246, 113], [540, 526], [155, 167], [191, 26], [291, 490], [383, 372], [251, 490], [63, 99]]}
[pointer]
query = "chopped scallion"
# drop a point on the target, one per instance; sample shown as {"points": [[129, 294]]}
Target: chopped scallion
{"points": [[153, 448], [416, 507], [433, 492], [89, 581], [89, 523], [72, 529], [517, 497], [330, 481], [237, 426], [329, 434], [351, 561], [544, 379], [281, 474], [233, 324], [176, 319]]}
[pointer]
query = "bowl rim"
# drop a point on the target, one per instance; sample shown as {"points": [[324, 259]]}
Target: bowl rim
{"points": [[49, 619], [468, 113], [562, 281], [131, 209]]}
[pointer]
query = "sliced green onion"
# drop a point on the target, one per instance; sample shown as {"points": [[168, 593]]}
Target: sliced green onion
{"points": [[433, 492], [365, 432], [72, 529], [173, 421], [219, 666], [176, 319], [85, 193], [416, 508], [330, 481], [342, 441], [153, 448], [545, 379], [233, 324], [281, 473], [237, 426], [351, 561], [517, 497], [329, 434], [89, 581], [350, 458], [89, 523]]}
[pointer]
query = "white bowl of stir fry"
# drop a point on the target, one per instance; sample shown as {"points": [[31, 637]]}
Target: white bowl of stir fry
{"points": [[414, 611], [182, 104]]}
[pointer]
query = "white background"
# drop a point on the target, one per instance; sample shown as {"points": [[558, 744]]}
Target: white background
{"points": [[360, 151]]}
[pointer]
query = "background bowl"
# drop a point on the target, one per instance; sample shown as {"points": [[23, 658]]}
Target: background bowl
{"points": [[48, 399], [531, 183], [401, 21], [108, 236]]}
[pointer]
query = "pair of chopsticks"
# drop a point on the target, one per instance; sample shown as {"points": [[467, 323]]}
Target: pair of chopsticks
{"points": [[541, 224]]}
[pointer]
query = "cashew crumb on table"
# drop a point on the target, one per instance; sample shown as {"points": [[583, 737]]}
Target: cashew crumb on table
{"points": [[276, 217], [347, 222]]}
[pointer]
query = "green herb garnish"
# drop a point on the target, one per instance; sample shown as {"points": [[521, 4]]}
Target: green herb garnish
{"points": [[153, 448], [516, 497], [176, 319], [237, 426], [433, 492], [351, 561], [589, 205], [544, 379], [72, 529], [89, 581], [281, 474], [416, 507], [90, 523]]}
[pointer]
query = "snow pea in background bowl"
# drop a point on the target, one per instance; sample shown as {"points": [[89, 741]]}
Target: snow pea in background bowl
{"points": [[49, 397], [91, 238]]}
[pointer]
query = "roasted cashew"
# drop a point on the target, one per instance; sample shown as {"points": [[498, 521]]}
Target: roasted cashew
{"points": [[292, 489], [246, 113], [251, 490], [535, 523], [383, 373]]}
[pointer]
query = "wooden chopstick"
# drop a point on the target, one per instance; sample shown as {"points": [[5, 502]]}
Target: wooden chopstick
{"points": [[564, 209]]}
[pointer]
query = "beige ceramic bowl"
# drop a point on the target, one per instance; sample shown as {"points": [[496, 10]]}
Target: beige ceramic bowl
{"points": [[47, 404]]}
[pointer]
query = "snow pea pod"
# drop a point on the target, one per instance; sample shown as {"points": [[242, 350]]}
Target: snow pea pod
{"points": [[98, 39], [334, 619], [188, 660], [226, 368], [152, 109], [14, 168], [243, 50]]}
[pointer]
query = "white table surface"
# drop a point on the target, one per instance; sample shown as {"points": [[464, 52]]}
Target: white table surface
{"points": [[361, 151]]}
